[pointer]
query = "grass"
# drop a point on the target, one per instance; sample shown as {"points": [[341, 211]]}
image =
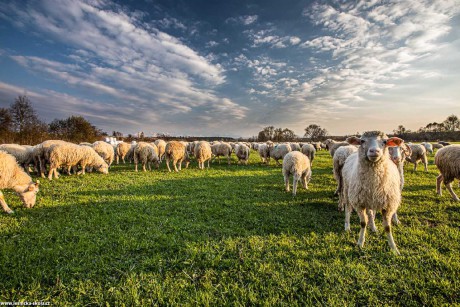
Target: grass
{"points": [[229, 235]]}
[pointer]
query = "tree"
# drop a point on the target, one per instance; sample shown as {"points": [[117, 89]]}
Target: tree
{"points": [[400, 130], [269, 132], [452, 123], [28, 127], [6, 126], [75, 129], [315, 132], [117, 134], [278, 134], [261, 137], [288, 135]]}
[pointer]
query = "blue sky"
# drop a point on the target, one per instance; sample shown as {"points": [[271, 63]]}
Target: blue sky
{"points": [[233, 67]]}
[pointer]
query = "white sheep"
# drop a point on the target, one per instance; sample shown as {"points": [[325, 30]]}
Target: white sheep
{"points": [[202, 153], [12, 176], [242, 152], [122, 150], [310, 151], [70, 155], [277, 152], [42, 153], [437, 146], [418, 154], [145, 153], [105, 150], [161, 148], [340, 156], [428, 147], [221, 149], [295, 147], [298, 165], [24, 154], [177, 152], [447, 160], [371, 181], [264, 153]]}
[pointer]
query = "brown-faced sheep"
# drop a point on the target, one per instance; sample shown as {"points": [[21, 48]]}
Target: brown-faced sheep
{"points": [[12, 176]]}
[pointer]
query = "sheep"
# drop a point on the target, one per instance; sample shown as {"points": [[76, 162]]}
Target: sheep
{"points": [[437, 146], [242, 152], [310, 151], [130, 154], [447, 161], [317, 146], [298, 165], [371, 182], [71, 155], [444, 143], [42, 153], [264, 153], [295, 146], [161, 148], [86, 144], [277, 152], [191, 148], [398, 155], [177, 152], [203, 153], [340, 156], [221, 149], [145, 153], [122, 150], [428, 147], [14, 177], [418, 154], [24, 155], [105, 150]]}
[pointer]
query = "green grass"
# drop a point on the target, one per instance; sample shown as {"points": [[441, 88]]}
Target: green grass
{"points": [[229, 235]]}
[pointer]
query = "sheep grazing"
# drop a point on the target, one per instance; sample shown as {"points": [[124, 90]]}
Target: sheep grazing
{"points": [[332, 146], [42, 153], [277, 152], [203, 153], [70, 155], [340, 156], [428, 147], [447, 161], [221, 149], [264, 153], [130, 155], [24, 154], [145, 153], [122, 150], [317, 145], [418, 154], [105, 150], [191, 148], [177, 152], [310, 151], [13, 177], [437, 146], [444, 143], [161, 149], [298, 165], [295, 147], [242, 153], [371, 182]]}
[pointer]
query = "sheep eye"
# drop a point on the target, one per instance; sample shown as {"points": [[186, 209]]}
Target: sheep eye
{"points": [[363, 141]]}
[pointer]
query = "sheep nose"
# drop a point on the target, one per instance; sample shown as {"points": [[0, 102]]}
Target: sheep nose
{"points": [[374, 151]]}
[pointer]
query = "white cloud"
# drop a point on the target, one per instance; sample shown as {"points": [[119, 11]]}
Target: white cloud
{"points": [[244, 20]]}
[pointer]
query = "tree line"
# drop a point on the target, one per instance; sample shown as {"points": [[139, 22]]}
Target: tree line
{"points": [[19, 123], [448, 130], [313, 132]]}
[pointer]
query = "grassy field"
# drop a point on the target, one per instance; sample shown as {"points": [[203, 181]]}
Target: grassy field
{"points": [[229, 235]]}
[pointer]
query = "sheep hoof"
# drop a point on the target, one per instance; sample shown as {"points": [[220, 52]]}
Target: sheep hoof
{"points": [[10, 211], [396, 252]]}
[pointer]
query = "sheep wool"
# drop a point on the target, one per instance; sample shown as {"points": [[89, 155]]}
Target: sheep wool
{"points": [[447, 160], [242, 153], [310, 151], [296, 164], [203, 153], [105, 150], [122, 150], [418, 154], [340, 156], [161, 148], [277, 152], [177, 152], [221, 150], [145, 153]]}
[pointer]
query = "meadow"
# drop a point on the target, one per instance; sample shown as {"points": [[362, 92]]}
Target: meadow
{"points": [[228, 235]]}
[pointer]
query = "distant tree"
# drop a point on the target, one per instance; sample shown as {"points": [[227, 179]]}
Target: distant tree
{"points": [[6, 126], [315, 132], [400, 130], [141, 135], [28, 127], [452, 123], [278, 134], [117, 134], [269, 132], [74, 129], [262, 137], [288, 135]]}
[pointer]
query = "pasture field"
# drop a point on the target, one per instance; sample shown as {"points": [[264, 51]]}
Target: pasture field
{"points": [[229, 235]]}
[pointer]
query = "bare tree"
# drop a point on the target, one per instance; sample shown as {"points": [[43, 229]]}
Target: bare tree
{"points": [[452, 123]]}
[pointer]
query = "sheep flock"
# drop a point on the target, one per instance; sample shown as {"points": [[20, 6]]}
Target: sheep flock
{"points": [[369, 170]]}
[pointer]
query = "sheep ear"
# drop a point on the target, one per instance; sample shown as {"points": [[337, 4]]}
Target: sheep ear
{"points": [[353, 140], [394, 141]]}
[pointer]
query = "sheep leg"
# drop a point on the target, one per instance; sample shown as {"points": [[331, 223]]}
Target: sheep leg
{"points": [[286, 182], [339, 185], [294, 184], [4, 204], [439, 179], [386, 217], [228, 159], [348, 210], [371, 217], [167, 164], [452, 193], [304, 181], [395, 219], [415, 166], [149, 165], [208, 164], [118, 159], [143, 166], [425, 163], [50, 174], [175, 167], [363, 220], [42, 167]]}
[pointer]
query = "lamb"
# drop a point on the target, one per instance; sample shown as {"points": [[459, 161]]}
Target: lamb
{"points": [[428, 147], [203, 153], [71, 155], [221, 149], [371, 181], [24, 155], [310, 151], [447, 161], [296, 164], [177, 152], [105, 150], [277, 152], [340, 156], [145, 153], [264, 153], [14, 177], [242, 152], [122, 150], [418, 154], [161, 148]]}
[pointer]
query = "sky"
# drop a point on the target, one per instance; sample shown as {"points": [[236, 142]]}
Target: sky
{"points": [[230, 68]]}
